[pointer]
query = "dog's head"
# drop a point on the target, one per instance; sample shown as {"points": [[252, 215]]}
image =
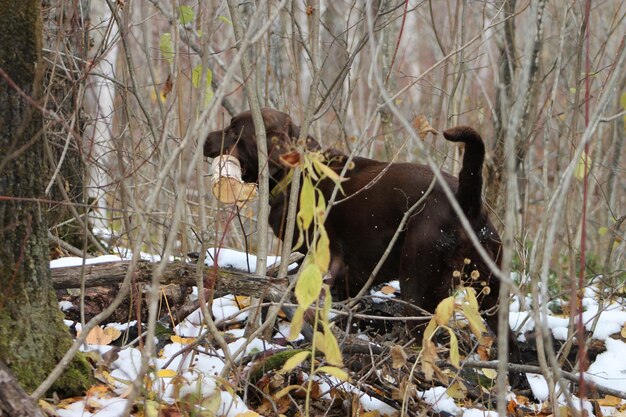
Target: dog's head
{"points": [[239, 140]]}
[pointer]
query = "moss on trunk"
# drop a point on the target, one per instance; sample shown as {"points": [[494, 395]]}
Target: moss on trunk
{"points": [[32, 335]]}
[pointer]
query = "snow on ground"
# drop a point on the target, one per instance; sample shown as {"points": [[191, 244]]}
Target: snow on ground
{"points": [[176, 374]]}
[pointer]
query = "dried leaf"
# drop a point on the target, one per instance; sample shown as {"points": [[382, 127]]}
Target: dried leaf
{"points": [[610, 401], [243, 301], [182, 340], [97, 337], [290, 159], [388, 289], [112, 332], [167, 87], [429, 358], [423, 127], [398, 356]]}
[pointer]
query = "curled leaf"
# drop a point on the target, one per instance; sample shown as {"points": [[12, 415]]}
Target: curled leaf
{"points": [[423, 127]]}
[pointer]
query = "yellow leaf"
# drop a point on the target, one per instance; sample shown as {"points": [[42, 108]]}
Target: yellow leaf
{"points": [[623, 332], [373, 413], [112, 332], [48, 408], [322, 250], [610, 401], [296, 324], [331, 348], [454, 348], [212, 403], [470, 297], [182, 340], [476, 323], [152, 408], [490, 373], [309, 285], [583, 166], [430, 329], [307, 203], [242, 301], [457, 390], [602, 230], [166, 373], [334, 371], [444, 311], [398, 356], [286, 390], [326, 171], [248, 414], [295, 360]]}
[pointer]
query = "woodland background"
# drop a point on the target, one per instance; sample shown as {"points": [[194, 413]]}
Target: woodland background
{"points": [[130, 89]]}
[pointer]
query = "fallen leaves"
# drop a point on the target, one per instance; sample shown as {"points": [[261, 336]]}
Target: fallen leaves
{"points": [[102, 336]]}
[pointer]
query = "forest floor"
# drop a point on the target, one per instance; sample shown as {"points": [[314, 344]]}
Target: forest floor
{"points": [[187, 377]]}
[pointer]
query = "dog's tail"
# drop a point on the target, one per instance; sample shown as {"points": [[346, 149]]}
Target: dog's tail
{"points": [[469, 192]]}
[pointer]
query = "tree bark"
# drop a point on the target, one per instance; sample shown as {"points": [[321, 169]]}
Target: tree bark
{"points": [[14, 401], [32, 334]]}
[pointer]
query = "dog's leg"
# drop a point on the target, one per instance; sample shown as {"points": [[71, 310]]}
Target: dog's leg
{"points": [[419, 266]]}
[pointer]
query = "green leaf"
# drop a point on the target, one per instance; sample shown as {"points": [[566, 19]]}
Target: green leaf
{"points": [[166, 47], [334, 371], [309, 285], [186, 15], [295, 360], [196, 72], [225, 20]]}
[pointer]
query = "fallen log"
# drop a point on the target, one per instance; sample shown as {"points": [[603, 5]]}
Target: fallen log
{"points": [[177, 272]]}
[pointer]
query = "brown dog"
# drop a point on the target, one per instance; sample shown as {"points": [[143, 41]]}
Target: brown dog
{"points": [[365, 217]]}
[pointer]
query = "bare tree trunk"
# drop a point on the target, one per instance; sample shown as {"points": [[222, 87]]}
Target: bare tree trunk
{"points": [[98, 102], [33, 336]]}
